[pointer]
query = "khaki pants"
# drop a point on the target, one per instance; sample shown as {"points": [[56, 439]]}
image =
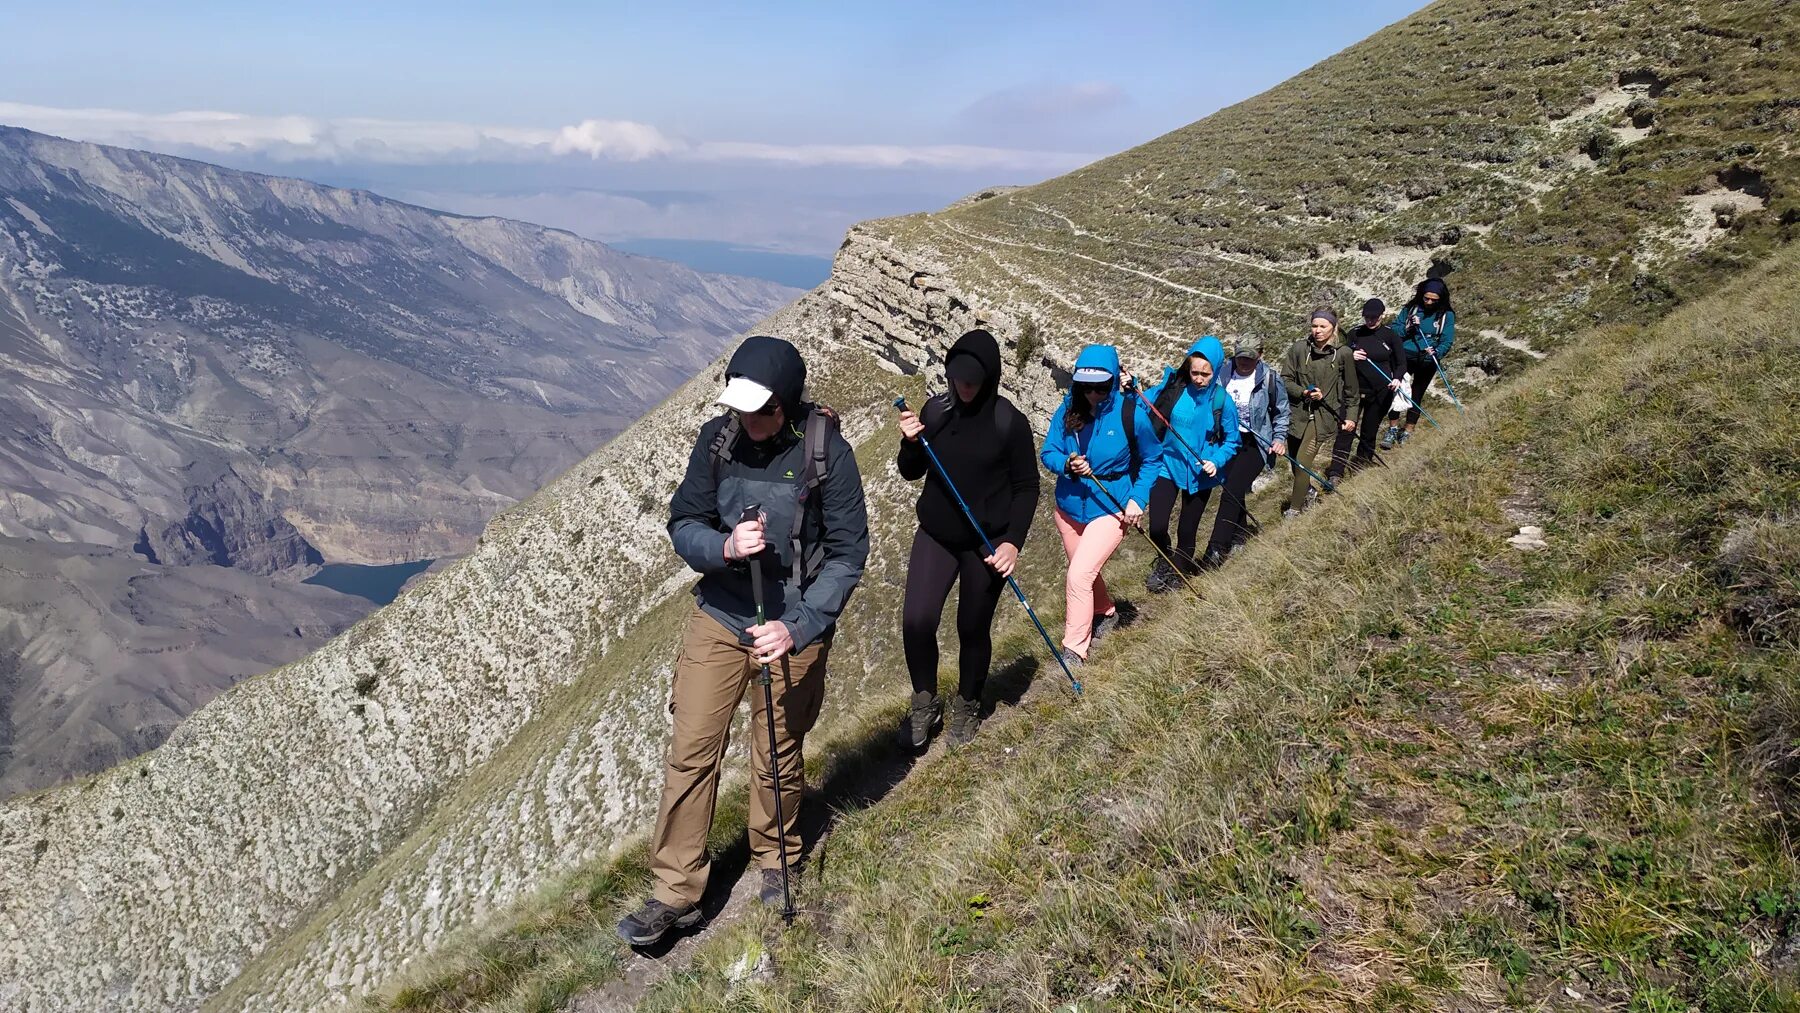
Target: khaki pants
{"points": [[1304, 437], [710, 678]]}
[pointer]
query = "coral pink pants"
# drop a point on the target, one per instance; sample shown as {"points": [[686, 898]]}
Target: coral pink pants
{"points": [[1089, 546]]}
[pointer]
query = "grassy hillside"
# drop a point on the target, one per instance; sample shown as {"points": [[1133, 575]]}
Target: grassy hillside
{"points": [[1390, 762], [1565, 164]]}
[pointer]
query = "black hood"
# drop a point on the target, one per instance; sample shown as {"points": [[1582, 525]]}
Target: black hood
{"points": [[980, 346], [776, 365]]}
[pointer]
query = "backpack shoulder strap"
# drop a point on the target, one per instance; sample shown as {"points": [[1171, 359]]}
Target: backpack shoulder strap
{"points": [[821, 423], [1131, 444], [722, 443]]}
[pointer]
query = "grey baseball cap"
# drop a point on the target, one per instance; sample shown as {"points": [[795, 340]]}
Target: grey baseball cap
{"points": [[1246, 345]]}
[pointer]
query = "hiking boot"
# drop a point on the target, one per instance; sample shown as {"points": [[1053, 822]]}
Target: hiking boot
{"points": [[925, 717], [1389, 437], [1405, 434], [648, 924], [1312, 496], [768, 888], [1290, 514], [1213, 560], [965, 721], [1161, 580], [1104, 624], [1072, 660]]}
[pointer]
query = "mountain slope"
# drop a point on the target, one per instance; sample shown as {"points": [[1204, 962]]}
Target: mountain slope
{"points": [[500, 724], [203, 366], [1395, 759]]}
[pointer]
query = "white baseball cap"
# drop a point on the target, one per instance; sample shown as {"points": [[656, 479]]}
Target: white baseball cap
{"points": [[744, 394]]}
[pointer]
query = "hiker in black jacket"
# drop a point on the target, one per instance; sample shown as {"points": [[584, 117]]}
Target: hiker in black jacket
{"points": [[810, 537], [986, 446], [1377, 349]]}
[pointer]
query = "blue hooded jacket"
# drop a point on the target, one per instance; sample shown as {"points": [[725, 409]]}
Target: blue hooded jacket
{"points": [[1191, 421], [1102, 441]]}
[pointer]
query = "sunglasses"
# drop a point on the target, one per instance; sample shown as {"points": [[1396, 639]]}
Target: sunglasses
{"points": [[766, 410]]}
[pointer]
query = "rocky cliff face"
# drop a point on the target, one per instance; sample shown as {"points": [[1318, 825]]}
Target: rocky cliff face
{"points": [[307, 836], [208, 367]]}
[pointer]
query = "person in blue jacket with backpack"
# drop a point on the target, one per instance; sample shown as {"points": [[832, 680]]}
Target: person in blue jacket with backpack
{"points": [[1263, 414], [1427, 326], [1097, 438], [1201, 435]]}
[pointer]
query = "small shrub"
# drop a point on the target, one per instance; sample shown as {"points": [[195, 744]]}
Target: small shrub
{"points": [[1028, 344]]}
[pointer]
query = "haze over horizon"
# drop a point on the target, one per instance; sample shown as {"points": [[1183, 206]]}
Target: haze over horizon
{"points": [[773, 129]]}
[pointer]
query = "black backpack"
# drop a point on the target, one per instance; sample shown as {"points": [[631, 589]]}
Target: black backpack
{"points": [[821, 422]]}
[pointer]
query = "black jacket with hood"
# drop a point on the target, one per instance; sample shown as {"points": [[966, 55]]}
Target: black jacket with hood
{"points": [[1383, 347], [988, 449], [713, 494]]}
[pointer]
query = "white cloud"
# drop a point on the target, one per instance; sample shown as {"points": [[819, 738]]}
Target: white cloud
{"points": [[295, 138], [620, 139]]}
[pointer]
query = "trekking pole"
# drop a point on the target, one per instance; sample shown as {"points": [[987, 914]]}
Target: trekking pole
{"points": [[1444, 376], [1120, 507], [900, 404], [1415, 404], [1289, 458], [756, 590], [1170, 426]]}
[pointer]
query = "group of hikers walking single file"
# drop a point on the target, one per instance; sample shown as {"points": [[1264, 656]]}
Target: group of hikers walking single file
{"points": [[770, 512]]}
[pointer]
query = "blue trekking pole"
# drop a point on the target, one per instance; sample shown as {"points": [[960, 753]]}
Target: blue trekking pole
{"points": [[1446, 378], [1415, 404], [900, 403]]}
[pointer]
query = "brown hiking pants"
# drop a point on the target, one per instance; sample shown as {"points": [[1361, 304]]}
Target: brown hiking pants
{"points": [[710, 678]]}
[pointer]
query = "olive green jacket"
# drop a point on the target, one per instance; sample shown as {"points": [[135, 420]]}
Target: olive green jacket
{"points": [[1333, 371]]}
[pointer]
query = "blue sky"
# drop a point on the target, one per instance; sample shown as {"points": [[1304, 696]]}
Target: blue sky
{"points": [[526, 107]]}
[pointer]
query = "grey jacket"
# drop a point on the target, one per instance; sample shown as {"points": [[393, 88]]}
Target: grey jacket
{"points": [[704, 510], [1269, 411]]}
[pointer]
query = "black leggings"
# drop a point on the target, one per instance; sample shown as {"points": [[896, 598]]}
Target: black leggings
{"points": [[929, 573], [1422, 369], [1375, 405], [1231, 525], [1162, 504]]}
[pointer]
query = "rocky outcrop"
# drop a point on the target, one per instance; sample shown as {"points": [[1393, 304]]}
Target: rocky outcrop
{"points": [[228, 523]]}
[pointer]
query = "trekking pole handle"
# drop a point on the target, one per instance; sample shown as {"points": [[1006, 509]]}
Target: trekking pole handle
{"points": [[752, 512]]}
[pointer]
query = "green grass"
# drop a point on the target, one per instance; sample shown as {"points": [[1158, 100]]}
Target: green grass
{"points": [[1391, 762]]}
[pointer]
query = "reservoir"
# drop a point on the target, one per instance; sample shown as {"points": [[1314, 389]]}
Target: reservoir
{"points": [[379, 584]]}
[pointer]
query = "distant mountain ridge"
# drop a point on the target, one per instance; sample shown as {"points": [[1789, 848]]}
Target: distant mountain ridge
{"points": [[205, 366]]}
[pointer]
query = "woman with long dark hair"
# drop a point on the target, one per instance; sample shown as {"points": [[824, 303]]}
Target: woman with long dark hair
{"points": [[1427, 325], [985, 446], [1106, 457], [1200, 437]]}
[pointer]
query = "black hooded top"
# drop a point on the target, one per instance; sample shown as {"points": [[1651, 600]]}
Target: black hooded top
{"points": [[987, 447], [775, 364]]}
